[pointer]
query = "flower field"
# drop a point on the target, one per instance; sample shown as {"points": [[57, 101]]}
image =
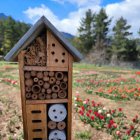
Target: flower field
{"points": [[106, 103]]}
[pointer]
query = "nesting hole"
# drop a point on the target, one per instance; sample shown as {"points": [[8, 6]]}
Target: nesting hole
{"points": [[63, 61], [63, 53], [53, 53], [56, 60], [53, 44]]}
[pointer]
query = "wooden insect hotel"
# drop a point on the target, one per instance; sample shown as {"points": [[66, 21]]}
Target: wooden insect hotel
{"points": [[45, 67]]}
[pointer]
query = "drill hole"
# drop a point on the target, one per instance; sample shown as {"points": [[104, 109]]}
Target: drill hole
{"points": [[63, 53], [53, 44], [55, 117], [61, 112], [63, 61], [54, 110], [56, 60], [53, 53]]}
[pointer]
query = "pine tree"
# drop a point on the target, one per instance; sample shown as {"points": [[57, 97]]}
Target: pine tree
{"points": [[122, 47], [86, 32], [101, 28]]}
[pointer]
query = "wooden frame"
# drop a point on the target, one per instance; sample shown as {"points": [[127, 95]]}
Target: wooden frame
{"points": [[29, 105]]}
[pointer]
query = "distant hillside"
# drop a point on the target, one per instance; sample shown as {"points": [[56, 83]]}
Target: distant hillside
{"points": [[67, 35], [3, 16]]}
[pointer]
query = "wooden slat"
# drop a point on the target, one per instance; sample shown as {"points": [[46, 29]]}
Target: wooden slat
{"points": [[22, 87], [34, 127], [69, 128], [37, 68], [46, 101]]}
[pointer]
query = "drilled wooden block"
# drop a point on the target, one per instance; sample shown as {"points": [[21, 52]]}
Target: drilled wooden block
{"points": [[57, 54]]}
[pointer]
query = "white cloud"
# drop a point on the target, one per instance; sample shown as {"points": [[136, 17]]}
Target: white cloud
{"points": [[129, 9], [69, 24]]}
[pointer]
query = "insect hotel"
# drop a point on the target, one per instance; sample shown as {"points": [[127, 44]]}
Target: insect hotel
{"points": [[45, 67]]}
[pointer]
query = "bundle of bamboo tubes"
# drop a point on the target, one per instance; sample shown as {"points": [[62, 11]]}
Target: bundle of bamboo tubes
{"points": [[41, 85]]}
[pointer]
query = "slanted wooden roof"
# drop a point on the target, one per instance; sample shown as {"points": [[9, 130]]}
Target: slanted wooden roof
{"points": [[33, 32]]}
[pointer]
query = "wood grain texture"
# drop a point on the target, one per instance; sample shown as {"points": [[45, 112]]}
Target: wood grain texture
{"points": [[38, 68], [69, 128], [57, 54], [36, 129], [51, 101], [22, 87]]}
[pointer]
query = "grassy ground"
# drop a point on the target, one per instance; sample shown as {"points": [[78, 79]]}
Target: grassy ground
{"points": [[10, 104]]}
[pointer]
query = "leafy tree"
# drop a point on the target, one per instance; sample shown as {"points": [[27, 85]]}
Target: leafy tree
{"points": [[122, 47], [86, 32], [10, 32], [101, 28]]}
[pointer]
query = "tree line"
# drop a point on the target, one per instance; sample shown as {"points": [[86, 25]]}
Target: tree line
{"points": [[10, 32], [95, 35]]}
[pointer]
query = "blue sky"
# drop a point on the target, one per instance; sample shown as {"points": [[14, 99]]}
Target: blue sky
{"points": [[66, 14]]}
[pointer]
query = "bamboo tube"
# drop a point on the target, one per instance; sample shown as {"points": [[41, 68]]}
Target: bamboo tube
{"points": [[49, 91], [40, 82], [41, 96], [45, 73], [62, 94], [51, 73], [36, 88], [51, 125], [28, 95], [61, 125], [46, 85], [33, 73], [39, 75], [43, 90], [55, 88], [29, 82], [65, 79], [27, 75], [34, 96], [63, 85], [46, 78], [35, 79], [48, 96], [54, 95], [28, 89], [59, 75], [52, 80], [57, 82]]}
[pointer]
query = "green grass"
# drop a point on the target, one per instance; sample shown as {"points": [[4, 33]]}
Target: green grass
{"points": [[85, 135]]}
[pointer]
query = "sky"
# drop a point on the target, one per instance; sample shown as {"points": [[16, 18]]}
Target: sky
{"points": [[66, 14]]}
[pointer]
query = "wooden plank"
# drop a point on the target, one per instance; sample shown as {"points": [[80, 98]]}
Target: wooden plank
{"points": [[22, 87], [57, 54], [37, 68], [46, 101], [36, 129], [69, 127]]}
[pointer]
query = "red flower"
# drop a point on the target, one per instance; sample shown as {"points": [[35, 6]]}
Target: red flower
{"points": [[131, 127], [83, 108], [120, 109], [92, 118], [128, 132], [111, 122], [101, 117], [88, 115], [81, 112], [134, 120], [90, 111], [113, 111]]}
